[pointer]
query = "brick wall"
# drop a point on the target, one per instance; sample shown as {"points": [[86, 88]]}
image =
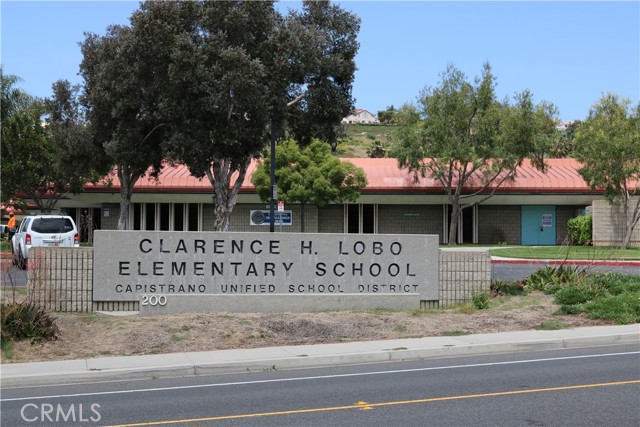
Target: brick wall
{"points": [[608, 225], [331, 219], [499, 224], [410, 219]]}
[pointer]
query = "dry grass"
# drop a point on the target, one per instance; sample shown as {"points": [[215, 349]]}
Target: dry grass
{"points": [[99, 335]]}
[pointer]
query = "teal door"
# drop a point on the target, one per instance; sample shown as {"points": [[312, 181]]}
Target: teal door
{"points": [[539, 225]]}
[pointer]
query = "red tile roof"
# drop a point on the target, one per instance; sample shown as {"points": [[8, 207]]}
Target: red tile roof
{"points": [[383, 175]]}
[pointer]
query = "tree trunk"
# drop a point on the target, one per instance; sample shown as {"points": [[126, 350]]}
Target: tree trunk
{"points": [[631, 219], [453, 224], [454, 199], [225, 195], [127, 181]]}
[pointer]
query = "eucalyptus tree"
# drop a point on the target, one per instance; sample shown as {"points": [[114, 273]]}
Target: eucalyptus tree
{"points": [[468, 141], [608, 144], [234, 68], [309, 175], [122, 72]]}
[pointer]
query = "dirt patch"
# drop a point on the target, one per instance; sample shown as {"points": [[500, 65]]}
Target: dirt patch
{"points": [[98, 335]]}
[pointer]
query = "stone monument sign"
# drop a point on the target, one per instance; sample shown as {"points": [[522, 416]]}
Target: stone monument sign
{"points": [[159, 267]]}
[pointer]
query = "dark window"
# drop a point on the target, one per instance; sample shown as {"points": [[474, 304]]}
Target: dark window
{"points": [[367, 219], [178, 217], [193, 217], [150, 217], [52, 225], [137, 216], [353, 218], [164, 216]]}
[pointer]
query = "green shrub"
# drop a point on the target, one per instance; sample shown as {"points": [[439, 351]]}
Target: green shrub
{"points": [[550, 279], [616, 283], [622, 309], [26, 320], [579, 230], [508, 287], [480, 300], [580, 293]]}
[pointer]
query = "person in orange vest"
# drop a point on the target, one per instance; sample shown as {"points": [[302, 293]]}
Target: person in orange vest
{"points": [[11, 225]]}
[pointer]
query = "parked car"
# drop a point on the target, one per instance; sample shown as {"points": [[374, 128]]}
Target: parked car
{"points": [[4, 231], [42, 230]]}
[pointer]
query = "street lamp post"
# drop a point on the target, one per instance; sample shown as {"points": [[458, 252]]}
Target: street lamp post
{"points": [[274, 191]]}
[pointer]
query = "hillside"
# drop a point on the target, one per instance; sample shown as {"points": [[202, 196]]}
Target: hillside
{"points": [[359, 138]]}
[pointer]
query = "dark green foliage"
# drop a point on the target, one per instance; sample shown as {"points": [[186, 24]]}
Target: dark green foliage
{"points": [[387, 116], [622, 309], [607, 145], [508, 287], [311, 175], [27, 320], [377, 150], [580, 293], [550, 279], [580, 230], [480, 300], [609, 296], [461, 135], [617, 283]]}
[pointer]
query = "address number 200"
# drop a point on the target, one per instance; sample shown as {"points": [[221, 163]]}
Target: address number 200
{"points": [[154, 300]]}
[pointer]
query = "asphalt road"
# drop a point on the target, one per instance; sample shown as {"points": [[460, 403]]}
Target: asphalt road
{"points": [[520, 271], [598, 386]]}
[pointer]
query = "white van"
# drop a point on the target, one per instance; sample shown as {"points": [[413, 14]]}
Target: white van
{"points": [[42, 230]]}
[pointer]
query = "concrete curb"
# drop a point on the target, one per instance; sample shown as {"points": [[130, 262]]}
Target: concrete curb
{"points": [[307, 356]]}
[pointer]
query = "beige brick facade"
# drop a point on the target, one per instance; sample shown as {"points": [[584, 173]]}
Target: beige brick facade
{"points": [[608, 225]]}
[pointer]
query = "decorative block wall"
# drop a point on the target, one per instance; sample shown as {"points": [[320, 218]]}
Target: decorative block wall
{"points": [[608, 225], [62, 279]]}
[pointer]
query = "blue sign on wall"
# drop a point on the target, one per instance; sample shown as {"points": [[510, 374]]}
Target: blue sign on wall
{"points": [[262, 217]]}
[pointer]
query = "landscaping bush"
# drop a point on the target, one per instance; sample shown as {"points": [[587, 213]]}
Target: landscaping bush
{"points": [[622, 309], [608, 296], [550, 279], [26, 320], [480, 300], [508, 287], [579, 293], [579, 230]]}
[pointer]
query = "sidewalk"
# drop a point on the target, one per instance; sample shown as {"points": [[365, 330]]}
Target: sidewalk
{"points": [[307, 356]]}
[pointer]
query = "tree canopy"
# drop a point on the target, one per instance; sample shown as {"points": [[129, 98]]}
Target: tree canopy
{"points": [[44, 162], [122, 73], [231, 68], [311, 175], [462, 136], [608, 144]]}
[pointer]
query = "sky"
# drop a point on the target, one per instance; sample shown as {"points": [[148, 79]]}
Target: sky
{"points": [[567, 53]]}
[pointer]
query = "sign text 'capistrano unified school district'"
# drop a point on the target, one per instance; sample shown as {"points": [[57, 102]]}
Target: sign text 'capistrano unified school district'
{"points": [[131, 263]]}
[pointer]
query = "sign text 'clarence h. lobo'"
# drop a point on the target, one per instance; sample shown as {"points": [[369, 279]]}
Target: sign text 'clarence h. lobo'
{"points": [[156, 267]]}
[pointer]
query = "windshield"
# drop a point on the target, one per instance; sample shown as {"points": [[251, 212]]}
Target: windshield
{"points": [[52, 225]]}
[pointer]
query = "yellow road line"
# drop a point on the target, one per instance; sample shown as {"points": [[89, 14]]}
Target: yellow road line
{"points": [[364, 405]]}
